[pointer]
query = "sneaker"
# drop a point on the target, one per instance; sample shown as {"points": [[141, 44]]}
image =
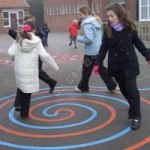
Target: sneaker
{"points": [[52, 87], [70, 44], [135, 124], [75, 47], [77, 89]]}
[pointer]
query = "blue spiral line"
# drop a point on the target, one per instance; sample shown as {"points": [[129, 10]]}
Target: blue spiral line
{"points": [[93, 116], [68, 147]]}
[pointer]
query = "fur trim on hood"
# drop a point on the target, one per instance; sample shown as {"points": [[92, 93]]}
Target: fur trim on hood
{"points": [[29, 45]]}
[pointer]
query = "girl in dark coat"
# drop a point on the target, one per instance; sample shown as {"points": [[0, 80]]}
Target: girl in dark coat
{"points": [[119, 40]]}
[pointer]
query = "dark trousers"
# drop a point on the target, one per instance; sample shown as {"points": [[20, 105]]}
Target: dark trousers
{"points": [[73, 38], [87, 68], [23, 100], [129, 89], [46, 39], [44, 76]]}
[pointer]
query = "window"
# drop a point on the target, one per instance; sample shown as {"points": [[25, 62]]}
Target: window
{"points": [[69, 9], [6, 19], [53, 11], [78, 7], [74, 8], [144, 6], [47, 11], [60, 10], [20, 17], [66, 9], [63, 10], [57, 11]]}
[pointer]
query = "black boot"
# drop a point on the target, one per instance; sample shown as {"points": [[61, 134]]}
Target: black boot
{"points": [[52, 87], [18, 108], [135, 124], [70, 43]]}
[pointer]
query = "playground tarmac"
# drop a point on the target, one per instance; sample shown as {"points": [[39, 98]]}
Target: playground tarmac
{"points": [[67, 120]]}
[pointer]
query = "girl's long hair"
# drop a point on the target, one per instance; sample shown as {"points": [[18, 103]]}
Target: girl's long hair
{"points": [[25, 34], [85, 10], [123, 17]]}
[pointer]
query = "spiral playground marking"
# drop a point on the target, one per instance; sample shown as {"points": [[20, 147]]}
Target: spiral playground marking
{"points": [[50, 113]]}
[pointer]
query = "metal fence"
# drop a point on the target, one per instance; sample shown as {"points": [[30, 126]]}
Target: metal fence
{"points": [[144, 30]]}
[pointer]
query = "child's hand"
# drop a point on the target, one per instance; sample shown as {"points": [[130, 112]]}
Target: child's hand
{"points": [[96, 69]]}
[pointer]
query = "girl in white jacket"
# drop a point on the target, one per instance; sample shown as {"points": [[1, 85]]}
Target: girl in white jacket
{"points": [[26, 50]]}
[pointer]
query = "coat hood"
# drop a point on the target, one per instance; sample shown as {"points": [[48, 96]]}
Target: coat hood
{"points": [[29, 45], [92, 20]]}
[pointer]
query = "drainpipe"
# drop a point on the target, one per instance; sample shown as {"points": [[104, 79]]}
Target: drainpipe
{"points": [[137, 10]]}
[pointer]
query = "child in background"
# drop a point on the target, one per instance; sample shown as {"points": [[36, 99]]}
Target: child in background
{"points": [[73, 30], [46, 32], [26, 51]]}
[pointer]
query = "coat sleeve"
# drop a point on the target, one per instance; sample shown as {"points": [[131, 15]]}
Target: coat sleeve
{"points": [[103, 50], [140, 46], [46, 57], [12, 33], [88, 35], [69, 29], [13, 49]]}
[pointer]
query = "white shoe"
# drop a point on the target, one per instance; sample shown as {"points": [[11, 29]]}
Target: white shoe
{"points": [[77, 89]]}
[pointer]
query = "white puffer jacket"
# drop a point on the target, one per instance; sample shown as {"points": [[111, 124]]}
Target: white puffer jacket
{"points": [[26, 63]]}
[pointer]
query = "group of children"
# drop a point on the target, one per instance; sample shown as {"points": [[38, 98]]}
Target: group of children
{"points": [[117, 39]]}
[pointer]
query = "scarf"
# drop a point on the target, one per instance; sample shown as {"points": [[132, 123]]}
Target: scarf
{"points": [[118, 26]]}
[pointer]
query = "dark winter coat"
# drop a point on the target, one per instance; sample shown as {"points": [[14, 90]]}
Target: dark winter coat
{"points": [[46, 30], [12, 33], [122, 58]]}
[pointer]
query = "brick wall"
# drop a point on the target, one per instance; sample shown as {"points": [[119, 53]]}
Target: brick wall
{"points": [[61, 22], [131, 6]]}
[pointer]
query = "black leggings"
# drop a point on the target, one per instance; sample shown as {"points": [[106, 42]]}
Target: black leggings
{"points": [[44, 76], [23, 100]]}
